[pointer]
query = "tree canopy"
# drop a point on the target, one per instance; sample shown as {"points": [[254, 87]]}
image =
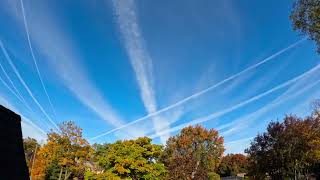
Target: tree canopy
{"points": [[286, 149], [233, 164], [64, 154], [130, 159], [193, 153], [30, 146], [305, 17]]}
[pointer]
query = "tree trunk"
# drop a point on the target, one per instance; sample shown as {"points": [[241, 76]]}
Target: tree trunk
{"points": [[34, 157], [60, 175], [195, 170], [66, 175]]}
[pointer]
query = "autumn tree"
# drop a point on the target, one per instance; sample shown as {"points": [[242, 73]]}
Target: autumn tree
{"points": [[129, 159], [305, 17], [30, 146], [64, 155], [233, 164], [265, 153], [315, 107], [286, 150], [193, 154]]}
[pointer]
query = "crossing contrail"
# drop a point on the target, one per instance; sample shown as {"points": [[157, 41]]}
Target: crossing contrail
{"points": [[34, 58], [239, 105], [205, 90], [140, 59], [25, 85]]}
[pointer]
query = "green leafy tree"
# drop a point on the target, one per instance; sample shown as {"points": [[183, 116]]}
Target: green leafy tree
{"points": [[103, 176], [130, 159], [233, 164], [193, 153], [213, 176], [305, 17]]}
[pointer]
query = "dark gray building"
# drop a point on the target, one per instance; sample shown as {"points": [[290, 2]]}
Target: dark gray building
{"points": [[12, 160]]}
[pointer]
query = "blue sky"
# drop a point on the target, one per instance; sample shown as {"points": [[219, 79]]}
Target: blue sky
{"points": [[123, 69]]}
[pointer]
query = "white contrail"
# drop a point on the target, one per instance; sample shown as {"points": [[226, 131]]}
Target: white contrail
{"points": [[15, 94], [13, 108], [239, 105], [139, 58], [12, 84], [239, 140], [238, 146], [242, 122], [11, 90], [205, 90], [64, 60], [34, 58], [25, 85], [33, 124]]}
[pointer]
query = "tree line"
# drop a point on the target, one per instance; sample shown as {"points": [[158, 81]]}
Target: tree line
{"points": [[288, 149]]}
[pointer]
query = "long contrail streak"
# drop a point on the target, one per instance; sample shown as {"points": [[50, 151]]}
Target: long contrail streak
{"points": [[15, 94], [25, 85], [12, 84], [140, 59], [239, 105], [205, 90], [33, 124], [9, 88], [235, 125], [34, 58], [23, 118]]}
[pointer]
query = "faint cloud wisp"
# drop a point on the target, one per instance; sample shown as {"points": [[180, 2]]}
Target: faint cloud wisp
{"points": [[204, 91], [239, 105]]}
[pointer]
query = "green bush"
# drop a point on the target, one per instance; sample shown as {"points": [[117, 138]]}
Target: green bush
{"points": [[213, 176]]}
